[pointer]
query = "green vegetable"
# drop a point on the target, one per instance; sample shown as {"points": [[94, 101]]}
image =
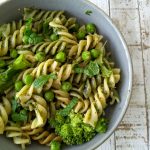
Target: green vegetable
{"points": [[46, 29], [75, 119], [88, 12], [92, 69], [20, 117], [40, 56], [78, 69], [18, 113], [75, 28], [101, 126], [28, 79], [59, 118], [2, 63], [25, 39], [7, 78], [60, 57], [86, 55], [43, 79], [21, 63], [55, 145], [88, 132], [49, 96], [27, 32], [66, 86], [105, 72], [13, 53], [18, 85], [14, 105], [81, 34], [28, 23], [69, 107], [90, 28], [31, 37], [95, 53], [72, 129], [54, 37], [35, 39]]}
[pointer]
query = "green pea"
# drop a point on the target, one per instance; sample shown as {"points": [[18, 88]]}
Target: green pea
{"points": [[66, 86], [40, 56], [95, 53], [49, 96], [18, 85], [86, 55], [90, 28], [25, 39], [81, 34], [55, 145], [28, 79], [54, 37], [61, 57], [2, 63], [13, 53]]}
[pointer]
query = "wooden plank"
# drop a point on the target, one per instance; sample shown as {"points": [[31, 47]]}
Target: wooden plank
{"points": [[109, 144], [103, 4], [119, 4], [127, 21], [132, 132], [144, 11]]}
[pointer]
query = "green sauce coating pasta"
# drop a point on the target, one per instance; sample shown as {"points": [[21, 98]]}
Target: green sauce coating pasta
{"points": [[55, 68]]}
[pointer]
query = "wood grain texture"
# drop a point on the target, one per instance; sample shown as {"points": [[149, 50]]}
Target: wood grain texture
{"points": [[144, 13]]}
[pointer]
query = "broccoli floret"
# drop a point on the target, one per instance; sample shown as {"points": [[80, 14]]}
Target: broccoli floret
{"points": [[78, 135], [89, 132], [67, 134], [55, 145], [72, 129], [101, 126], [76, 119], [59, 118]]}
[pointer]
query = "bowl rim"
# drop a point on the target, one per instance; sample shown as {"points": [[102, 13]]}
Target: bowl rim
{"points": [[121, 37]]}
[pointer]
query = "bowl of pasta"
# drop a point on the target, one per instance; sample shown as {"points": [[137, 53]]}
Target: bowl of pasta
{"points": [[65, 75]]}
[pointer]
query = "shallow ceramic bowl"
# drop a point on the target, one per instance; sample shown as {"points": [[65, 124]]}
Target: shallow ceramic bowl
{"points": [[116, 44]]}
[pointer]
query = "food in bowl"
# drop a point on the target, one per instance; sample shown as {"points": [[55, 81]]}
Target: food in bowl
{"points": [[56, 79]]}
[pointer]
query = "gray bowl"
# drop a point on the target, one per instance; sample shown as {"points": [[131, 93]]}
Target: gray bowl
{"points": [[77, 8]]}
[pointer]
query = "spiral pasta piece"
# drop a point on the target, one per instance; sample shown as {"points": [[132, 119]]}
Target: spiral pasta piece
{"points": [[5, 110], [19, 137], [41, 135], [38, 14], [45, 68], [49, 47], [10, 28], [84, 45], [12, 41], [98, 104]]}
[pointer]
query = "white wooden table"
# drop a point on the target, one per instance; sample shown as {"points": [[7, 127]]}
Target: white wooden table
{"points": [[132, 17]]}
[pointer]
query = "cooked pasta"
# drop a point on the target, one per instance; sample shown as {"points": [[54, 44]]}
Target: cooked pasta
{"points": [[56, 79]]}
